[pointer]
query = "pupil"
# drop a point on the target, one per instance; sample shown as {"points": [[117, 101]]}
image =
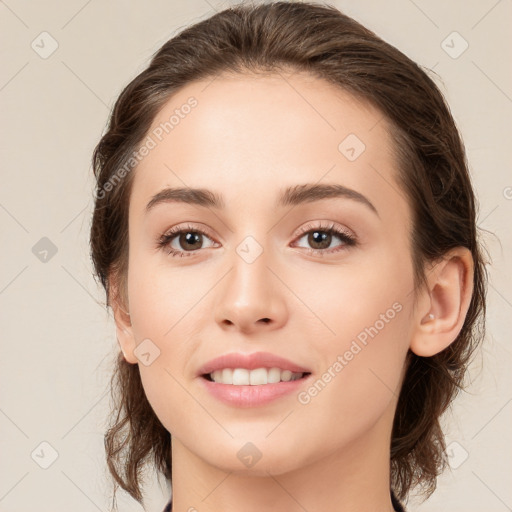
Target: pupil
{"points": [[190, 238], [319, 237]]}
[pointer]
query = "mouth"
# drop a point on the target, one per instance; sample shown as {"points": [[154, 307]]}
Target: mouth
{"points": [[252, 380], [255, 377]]}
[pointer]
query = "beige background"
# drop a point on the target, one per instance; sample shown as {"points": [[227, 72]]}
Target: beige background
{"points": [[58, 340]]}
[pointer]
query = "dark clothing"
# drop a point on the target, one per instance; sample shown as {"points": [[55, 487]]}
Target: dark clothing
{"points": [[396, 504]]}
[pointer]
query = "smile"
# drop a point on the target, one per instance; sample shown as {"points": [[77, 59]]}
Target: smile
{"points": [[256, 377]]}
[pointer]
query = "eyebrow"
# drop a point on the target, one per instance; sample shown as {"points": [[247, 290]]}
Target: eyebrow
{"points": [[290, 196]]}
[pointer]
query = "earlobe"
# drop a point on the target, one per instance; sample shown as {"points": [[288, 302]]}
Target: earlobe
{"points": [[445, 303], [124, 330]]}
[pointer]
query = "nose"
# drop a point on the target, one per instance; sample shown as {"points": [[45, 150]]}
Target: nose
{"points": [[251, 298]]}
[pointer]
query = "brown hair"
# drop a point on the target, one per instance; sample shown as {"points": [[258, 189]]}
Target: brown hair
{"points": [[433, 173]]}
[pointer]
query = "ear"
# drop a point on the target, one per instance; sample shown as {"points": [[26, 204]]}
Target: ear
{"points": [[122, 320], [444, 303]]}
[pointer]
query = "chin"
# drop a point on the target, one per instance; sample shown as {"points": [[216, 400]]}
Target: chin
{"points": [[258, 458]]}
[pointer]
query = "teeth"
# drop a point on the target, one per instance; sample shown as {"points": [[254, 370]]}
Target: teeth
{"points": [[286, 375], [274, 375], [240, 377], [226, 375], [257, 377]]}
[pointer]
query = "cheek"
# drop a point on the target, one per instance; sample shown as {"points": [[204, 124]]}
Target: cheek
{"points": [[364, 300], [165, 306], [365, 325], [361, 373], [164, 299]]}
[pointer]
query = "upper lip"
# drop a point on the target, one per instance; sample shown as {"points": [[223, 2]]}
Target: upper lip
{"points": [[250, 362]]}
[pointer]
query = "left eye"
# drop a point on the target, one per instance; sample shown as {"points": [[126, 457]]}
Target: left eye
{"points": [[320, 239]]}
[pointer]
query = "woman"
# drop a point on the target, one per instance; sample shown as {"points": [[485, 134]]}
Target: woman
{"points": [[285, 229]]}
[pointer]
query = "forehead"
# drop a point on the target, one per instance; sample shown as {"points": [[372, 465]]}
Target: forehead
{"points": [[248, 135]]}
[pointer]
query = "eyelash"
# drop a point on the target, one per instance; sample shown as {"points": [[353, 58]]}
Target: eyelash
{"points": [[164, 241]]}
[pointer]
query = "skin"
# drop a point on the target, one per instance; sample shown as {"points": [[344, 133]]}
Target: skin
{"points": [[249, 137]]}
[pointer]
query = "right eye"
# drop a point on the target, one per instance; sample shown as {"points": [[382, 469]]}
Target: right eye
{"points": [[187, 237]]}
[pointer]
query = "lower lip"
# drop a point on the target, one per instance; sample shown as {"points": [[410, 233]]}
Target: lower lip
{"points": [[252, 396]]}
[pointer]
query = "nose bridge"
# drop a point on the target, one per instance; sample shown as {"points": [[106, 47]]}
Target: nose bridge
{"points": [[250, 294], [252, 251], [251, 278]]}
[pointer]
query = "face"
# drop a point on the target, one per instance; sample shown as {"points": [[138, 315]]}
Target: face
{"points": [[322, 279]]}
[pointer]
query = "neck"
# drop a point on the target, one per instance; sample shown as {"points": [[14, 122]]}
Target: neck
{"points": [[352, 479]]}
